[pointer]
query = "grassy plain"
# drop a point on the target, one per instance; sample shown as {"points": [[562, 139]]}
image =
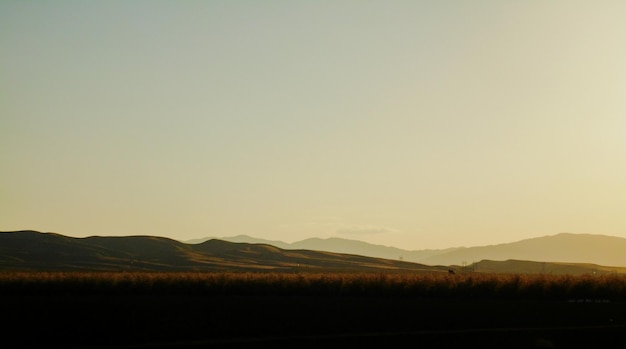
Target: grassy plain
{"points": [[306, 310]]}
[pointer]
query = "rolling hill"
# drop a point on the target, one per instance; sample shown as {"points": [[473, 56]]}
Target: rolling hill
{"points": [[559, 248], [37, 251], [339, 245], [32, 250]]}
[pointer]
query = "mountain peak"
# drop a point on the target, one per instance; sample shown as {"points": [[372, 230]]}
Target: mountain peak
{"points": [[560, 247]]}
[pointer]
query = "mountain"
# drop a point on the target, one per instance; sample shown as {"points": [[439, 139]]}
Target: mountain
{"points": [[530, 267], [32, 250], [562, 248], [339, 245], [244, 238]]}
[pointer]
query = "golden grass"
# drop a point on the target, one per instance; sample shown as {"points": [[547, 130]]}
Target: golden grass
{"points": [[439, 285]]}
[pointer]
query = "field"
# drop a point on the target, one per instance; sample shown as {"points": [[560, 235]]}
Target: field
{"points": [[220, 310]]}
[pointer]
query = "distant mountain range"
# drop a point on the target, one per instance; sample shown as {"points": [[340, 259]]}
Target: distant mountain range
{"points": [[559, 254], [32, 250], [563, 248]]}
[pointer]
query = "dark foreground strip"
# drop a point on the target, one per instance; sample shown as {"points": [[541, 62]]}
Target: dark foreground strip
{"points": [[545, 337]]}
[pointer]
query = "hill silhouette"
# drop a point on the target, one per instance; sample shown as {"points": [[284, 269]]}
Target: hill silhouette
{"points": [[37, 251], [559, 248], [32, 250], [338, 245], [563, 248]]}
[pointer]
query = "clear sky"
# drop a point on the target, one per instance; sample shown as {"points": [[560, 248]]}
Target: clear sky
{"points": [[416, 124]]}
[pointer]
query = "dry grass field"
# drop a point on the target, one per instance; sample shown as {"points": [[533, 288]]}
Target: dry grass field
{"points": [[610, 287], [219, 310]]}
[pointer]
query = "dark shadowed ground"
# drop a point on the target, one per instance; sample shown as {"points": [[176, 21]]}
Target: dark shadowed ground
{"points": [[222, 321]]}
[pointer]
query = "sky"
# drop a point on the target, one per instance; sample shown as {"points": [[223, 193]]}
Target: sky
{"points": [[414, 124]]}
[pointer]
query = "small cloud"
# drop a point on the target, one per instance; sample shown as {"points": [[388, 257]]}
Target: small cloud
{"points": [[363, 230]]}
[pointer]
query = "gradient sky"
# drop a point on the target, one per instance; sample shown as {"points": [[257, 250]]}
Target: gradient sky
{"points": [[415, 124]]}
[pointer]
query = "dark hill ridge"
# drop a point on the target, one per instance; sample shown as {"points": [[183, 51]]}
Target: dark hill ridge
{"points": [[36, 251], [513, 266], [559, 248], [339, 245], [31, 250]]}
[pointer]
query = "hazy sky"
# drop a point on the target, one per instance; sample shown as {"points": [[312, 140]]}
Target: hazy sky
{"points": [[416, 124]]}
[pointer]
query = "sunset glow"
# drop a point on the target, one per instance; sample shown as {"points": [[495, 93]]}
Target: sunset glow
{"points": [[415, 124]]}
